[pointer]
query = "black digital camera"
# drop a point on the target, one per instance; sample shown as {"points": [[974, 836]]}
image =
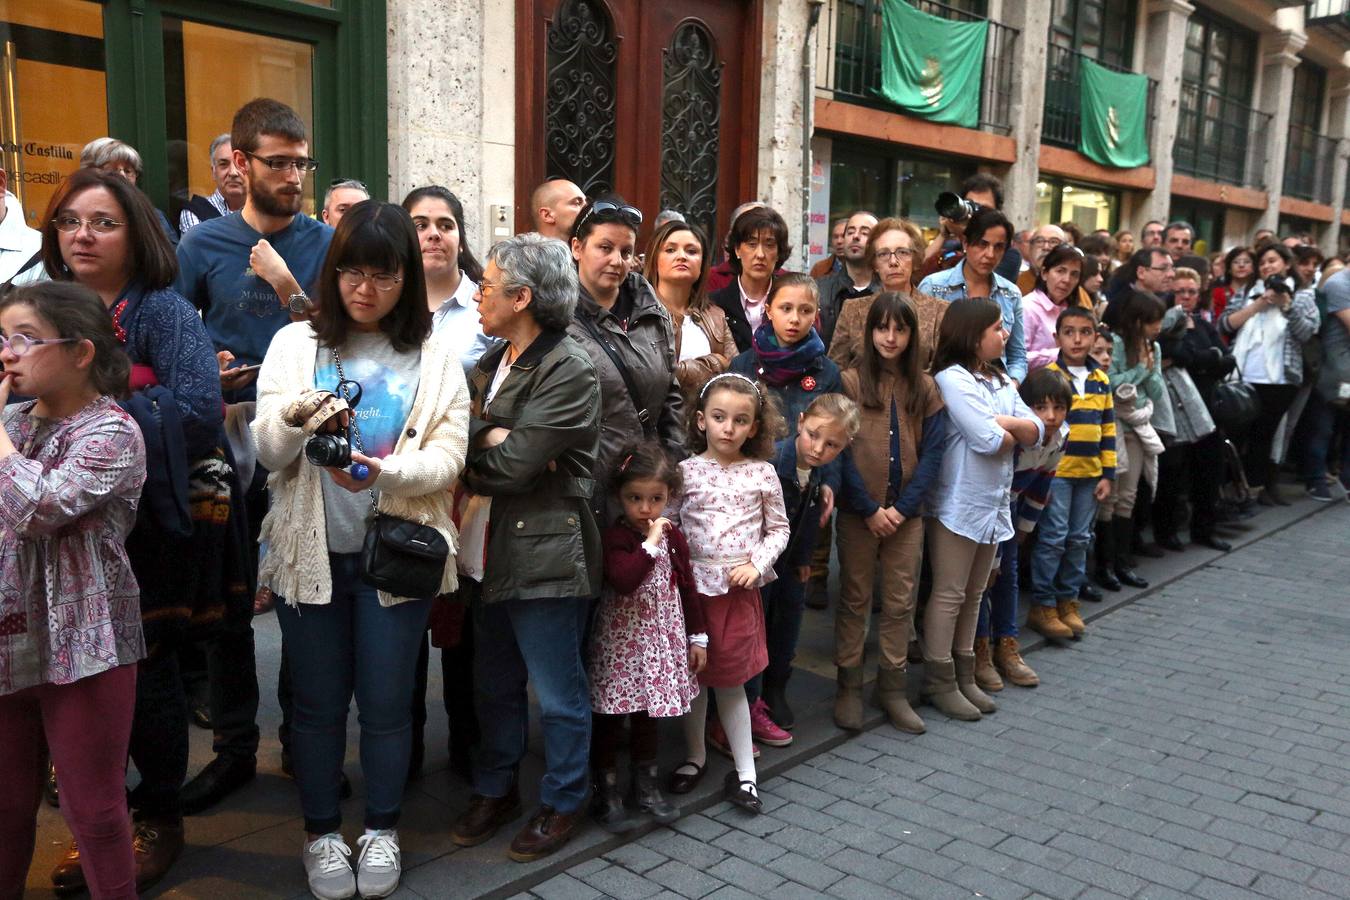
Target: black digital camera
{"points": [[335, 449], [1279, 286], [955, 207]]}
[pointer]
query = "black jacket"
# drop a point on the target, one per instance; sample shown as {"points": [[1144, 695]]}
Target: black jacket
{"points": [[729, 299]]}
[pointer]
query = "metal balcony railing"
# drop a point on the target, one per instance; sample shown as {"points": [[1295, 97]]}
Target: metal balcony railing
{"points": [[1308, 165], [1062, 121], [1220, 139], [855, 32]]}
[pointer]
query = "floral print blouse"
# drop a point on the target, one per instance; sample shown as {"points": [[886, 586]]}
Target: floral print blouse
{"points": [[69, 605], [731, 515]]}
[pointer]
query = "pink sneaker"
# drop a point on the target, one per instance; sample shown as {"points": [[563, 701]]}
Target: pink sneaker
{"points": [[763, 729], [717, 739]]}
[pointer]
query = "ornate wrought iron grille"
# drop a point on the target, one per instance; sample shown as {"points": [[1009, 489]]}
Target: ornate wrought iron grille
{"points": [[579, 116], [690, 115]]}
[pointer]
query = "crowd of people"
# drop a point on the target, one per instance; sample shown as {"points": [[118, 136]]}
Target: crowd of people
{"points": [[608, 473]]}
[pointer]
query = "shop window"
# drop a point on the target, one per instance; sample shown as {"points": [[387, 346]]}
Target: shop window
{"points": [[1090, 207], [201, 95], [1206, 218], [50, 50], [890, 183]]}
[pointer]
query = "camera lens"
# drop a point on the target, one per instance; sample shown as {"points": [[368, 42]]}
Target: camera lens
{"points": [[954, 206], [328, 450]]}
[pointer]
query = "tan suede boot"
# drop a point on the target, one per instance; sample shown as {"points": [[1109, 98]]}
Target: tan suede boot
{"points": [[986, 676], [1068, 614], [1045, 620], [939, 689], [1009, 662], [965, 683], [892, 695], [848, 698]]}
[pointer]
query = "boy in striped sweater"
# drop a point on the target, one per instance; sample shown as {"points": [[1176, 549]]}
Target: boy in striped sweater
{"points": [[997, 655], [1083, 478]]}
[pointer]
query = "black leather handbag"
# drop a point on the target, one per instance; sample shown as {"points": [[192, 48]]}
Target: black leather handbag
{"points": [[398, 556], [1234, 405]]}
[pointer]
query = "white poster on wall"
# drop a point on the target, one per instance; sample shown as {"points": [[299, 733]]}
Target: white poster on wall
{"points": [[819, 231]]}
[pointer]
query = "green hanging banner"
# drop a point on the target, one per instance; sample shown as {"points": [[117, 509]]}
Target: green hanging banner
{"points": [[932, 67], [1114, 111]]}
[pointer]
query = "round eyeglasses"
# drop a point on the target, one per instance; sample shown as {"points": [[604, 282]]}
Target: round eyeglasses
{"points": [[20, 344], [383, 281]]}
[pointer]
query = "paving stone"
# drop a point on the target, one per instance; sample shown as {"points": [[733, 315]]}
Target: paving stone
{"points": [[807, 872], [683, 879], [565, 887], [617, 881], [746, 875], [635, 857]]}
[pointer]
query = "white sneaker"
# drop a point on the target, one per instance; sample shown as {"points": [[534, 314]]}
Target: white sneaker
{"points": [[378, 867], [328, 869]]}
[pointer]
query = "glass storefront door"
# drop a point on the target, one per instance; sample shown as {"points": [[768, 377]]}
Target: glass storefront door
{"points": [[53, 94]]}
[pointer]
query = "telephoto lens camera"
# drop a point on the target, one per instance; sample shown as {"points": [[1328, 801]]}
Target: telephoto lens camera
{"points": [[955, 207]]}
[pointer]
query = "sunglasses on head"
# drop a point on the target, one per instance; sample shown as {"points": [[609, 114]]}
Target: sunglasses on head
{"points": [[631, 213]]}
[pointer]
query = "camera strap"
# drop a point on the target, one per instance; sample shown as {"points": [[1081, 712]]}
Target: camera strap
{"points": [[344, 391]]}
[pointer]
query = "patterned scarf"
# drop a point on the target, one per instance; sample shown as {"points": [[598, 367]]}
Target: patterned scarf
{"points": [[780, 365]]}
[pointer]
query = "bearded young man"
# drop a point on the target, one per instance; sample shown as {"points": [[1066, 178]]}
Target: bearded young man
{"points": [[249, 273]]}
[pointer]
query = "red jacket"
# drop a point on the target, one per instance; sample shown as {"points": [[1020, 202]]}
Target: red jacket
{"points": [[627, 564]]}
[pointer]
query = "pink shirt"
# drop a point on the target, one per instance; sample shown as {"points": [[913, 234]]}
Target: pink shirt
{"points": [[1039, 314], [731, 515]]}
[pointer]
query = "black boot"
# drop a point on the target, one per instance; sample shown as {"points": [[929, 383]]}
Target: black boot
{"points": [[774, 694], [1123, 530], [607, 803], [647, 795], [1106, 556]]}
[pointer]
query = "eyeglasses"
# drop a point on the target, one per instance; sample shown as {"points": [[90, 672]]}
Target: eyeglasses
{"points": [[1168, 267], [1051, 242], [383, 281], [19, 344], [98, 224], [301, 164], [631, 213], [484, 286], [897, 254]]}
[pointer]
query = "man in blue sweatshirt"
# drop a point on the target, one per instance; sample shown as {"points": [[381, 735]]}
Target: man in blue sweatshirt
{"points": [[248, 272]]}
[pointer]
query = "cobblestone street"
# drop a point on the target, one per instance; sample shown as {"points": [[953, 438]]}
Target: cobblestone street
{"points": [[1192, 744]]}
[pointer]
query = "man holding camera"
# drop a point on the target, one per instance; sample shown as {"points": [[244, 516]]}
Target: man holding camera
{"points": [[945, 250]]}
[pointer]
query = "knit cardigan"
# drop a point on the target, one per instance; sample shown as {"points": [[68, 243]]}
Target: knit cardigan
{"points": [[414, 480]]}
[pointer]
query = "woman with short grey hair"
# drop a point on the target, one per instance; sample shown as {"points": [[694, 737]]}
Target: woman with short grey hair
{"points": [[530, 548]]}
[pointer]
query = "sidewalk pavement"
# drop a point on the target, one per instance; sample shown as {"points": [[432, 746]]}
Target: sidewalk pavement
{"points": [[249, 847]]}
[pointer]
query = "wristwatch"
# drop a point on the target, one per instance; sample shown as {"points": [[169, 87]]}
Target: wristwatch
{"points": [[298, 303]]}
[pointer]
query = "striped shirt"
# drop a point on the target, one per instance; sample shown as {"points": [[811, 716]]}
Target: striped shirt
{"points": [[1091, 449], [1034, 469]]}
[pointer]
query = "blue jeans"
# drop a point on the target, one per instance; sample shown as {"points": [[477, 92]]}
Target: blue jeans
{"points": [[1059, 561], [351, 644], [998, 606], [1315, 434], [539, 641], [784, 603]]}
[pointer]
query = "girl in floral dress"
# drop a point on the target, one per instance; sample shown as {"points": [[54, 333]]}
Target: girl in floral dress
{"points": [[732, 514], [71, 468], [649, 642]]}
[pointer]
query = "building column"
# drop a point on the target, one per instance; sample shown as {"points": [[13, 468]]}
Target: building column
{"points": [[1338, 128], [785, 115], [1164, 55], [454, 131], [1032, 20], [1279, 58]]}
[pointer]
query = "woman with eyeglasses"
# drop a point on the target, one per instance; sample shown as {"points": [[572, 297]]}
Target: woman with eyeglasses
{"points": [[893, 248], [102, 232], [1268, 328], [1239, 272], [407, 427], [621, 323]]}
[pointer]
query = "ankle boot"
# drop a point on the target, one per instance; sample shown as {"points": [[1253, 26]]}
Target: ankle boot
{"points": [[647, 795], [1068, 614], [939, 689], [1010, 664], [1105, 554], [1045, 621], [965, 683], [848, 701], [774, 694], [607, 803], [1122, 531], [892, 695], [986, 676]]}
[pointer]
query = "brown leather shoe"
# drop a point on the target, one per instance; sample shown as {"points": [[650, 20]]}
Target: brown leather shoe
{"points": [[1008, 660], [483, 817], [546, 831], [68, 877], [986, 676], [157, 843]]}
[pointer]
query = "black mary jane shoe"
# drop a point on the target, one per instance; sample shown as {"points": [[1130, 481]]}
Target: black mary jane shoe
{"points": [[684, 782], [736, 793]]}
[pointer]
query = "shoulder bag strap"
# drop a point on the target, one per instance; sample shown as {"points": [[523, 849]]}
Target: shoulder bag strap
{"points": [[644, 416]]}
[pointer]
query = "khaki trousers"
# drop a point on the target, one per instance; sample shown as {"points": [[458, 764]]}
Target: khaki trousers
{"points": [[861, 554], [960, 573]]}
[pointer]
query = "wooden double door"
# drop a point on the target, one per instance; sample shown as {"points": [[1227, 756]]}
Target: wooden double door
{"points": [[656, 100]]}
